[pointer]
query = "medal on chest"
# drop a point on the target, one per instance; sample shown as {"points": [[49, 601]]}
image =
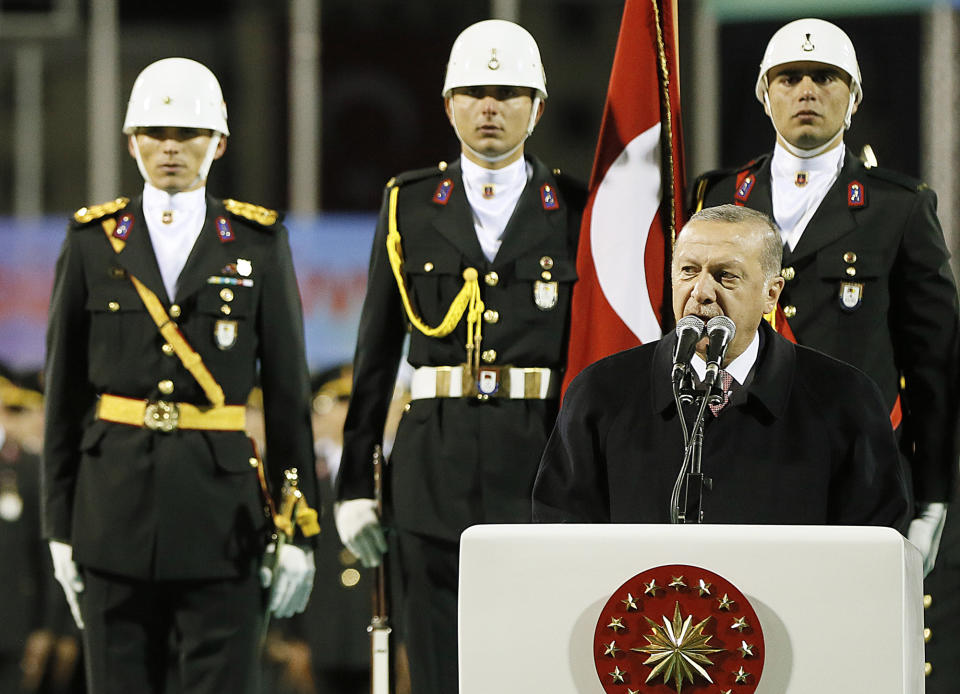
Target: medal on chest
{"points": [[801, 178], [851, 295]]}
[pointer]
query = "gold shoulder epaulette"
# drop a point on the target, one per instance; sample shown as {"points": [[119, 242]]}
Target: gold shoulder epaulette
{"points": [[88, 214], [255, 213]]}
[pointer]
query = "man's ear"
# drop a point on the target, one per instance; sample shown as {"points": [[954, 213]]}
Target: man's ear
{"points": [[774, 287]]}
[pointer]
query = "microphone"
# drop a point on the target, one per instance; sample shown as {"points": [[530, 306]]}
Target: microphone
{"points": [[689, 331], [720, 331]]}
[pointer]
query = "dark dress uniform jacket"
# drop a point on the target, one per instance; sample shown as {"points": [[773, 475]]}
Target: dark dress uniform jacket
{"points": [[457, 462], [906, 322], [806, 441], [184, 504]]}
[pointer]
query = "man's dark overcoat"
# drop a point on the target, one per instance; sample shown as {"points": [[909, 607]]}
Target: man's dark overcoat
{"points": [[805, 441]]}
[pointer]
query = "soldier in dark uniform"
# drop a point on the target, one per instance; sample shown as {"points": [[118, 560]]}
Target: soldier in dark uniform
{"points": [[38, 648], [865, 261], [476, 260], [163, 308]]}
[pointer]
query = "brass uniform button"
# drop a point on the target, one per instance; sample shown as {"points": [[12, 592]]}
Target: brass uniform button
{"points": [[851, 271], [788, 273], [349, 578], [927, 669], [113, 307], [492, 279], [175, 311], [556, 172], [225, 309], [442, 166], [849, 257], [546, 262], [167, 349], [346, 557], [428, 267], [927, 601], [491, 316], [489, 355], [406, 408], [226, 294], [927, 634], [546, 275], [790, 311], [253, 462], [165, 386]]}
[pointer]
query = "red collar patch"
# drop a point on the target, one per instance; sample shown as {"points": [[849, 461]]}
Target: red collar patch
{"points": [[224, 230], [442, 194], [744, 187], [549, 197], [124, 225]]}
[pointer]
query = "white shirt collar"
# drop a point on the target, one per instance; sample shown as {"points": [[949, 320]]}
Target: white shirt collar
{"points": [[511, 174], [787, 165], [156, 199], [739, 368]]}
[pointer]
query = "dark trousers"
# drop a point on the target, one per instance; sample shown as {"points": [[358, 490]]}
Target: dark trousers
{"points": [[428, 572], [135, 629]]}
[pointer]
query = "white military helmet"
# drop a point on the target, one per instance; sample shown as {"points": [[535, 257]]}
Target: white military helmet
{"points": [[176, 92], [495, 52], [817, 41], [811, 40], [498, 53]]}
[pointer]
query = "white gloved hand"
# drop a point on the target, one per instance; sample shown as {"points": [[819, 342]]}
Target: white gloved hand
{"points": [[291, 580], [68, 575], [360, 531], [925, 531]]}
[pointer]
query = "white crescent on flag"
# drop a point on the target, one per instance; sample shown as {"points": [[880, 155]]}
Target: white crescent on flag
{"points": [[628, 199]]}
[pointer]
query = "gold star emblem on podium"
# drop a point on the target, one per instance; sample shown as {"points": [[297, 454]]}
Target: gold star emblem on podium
{"points": [[652, 588], [741, 675], [740, 623], [611, 649], [616, 624], [677, 583], [725, 603], [703, 588], [677, 650], [746, 649], [630, 603], [617, 675]]}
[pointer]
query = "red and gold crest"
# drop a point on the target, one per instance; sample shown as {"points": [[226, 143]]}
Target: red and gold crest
{"points": [[678, 628]]}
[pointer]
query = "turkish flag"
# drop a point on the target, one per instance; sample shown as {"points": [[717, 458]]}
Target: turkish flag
{"points": [[635, 203]]}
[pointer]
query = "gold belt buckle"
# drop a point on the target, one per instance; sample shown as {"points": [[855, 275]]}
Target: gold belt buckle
{"points": [[162, 416]]}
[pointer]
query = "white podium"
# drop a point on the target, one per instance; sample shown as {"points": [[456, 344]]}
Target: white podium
{"points": [[840, 607]]}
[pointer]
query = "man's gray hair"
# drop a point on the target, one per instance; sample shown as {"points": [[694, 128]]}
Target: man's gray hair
{"points": [[771, 250]]}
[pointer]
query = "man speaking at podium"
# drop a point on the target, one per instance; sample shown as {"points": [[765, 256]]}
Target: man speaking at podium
{"points": [[789, 436]]}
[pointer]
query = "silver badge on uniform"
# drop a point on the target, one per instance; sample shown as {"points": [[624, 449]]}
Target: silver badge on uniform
{"points": [[545, 294], [487, 382], [225, 333], [851, 295], [244, 267]]}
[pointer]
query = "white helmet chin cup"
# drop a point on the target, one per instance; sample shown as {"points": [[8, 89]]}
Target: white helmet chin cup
{"points": [[176, 93], [495, 53], [811, 40]]}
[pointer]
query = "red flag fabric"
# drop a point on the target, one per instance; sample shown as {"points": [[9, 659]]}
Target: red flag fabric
{"points": [[636, 194]]}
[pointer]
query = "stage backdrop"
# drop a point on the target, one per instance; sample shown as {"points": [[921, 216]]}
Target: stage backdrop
{"points": [[330, 254]]}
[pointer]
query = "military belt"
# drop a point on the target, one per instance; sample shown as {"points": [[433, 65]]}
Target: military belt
{"points": [[461, 381], [164, 416]]}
